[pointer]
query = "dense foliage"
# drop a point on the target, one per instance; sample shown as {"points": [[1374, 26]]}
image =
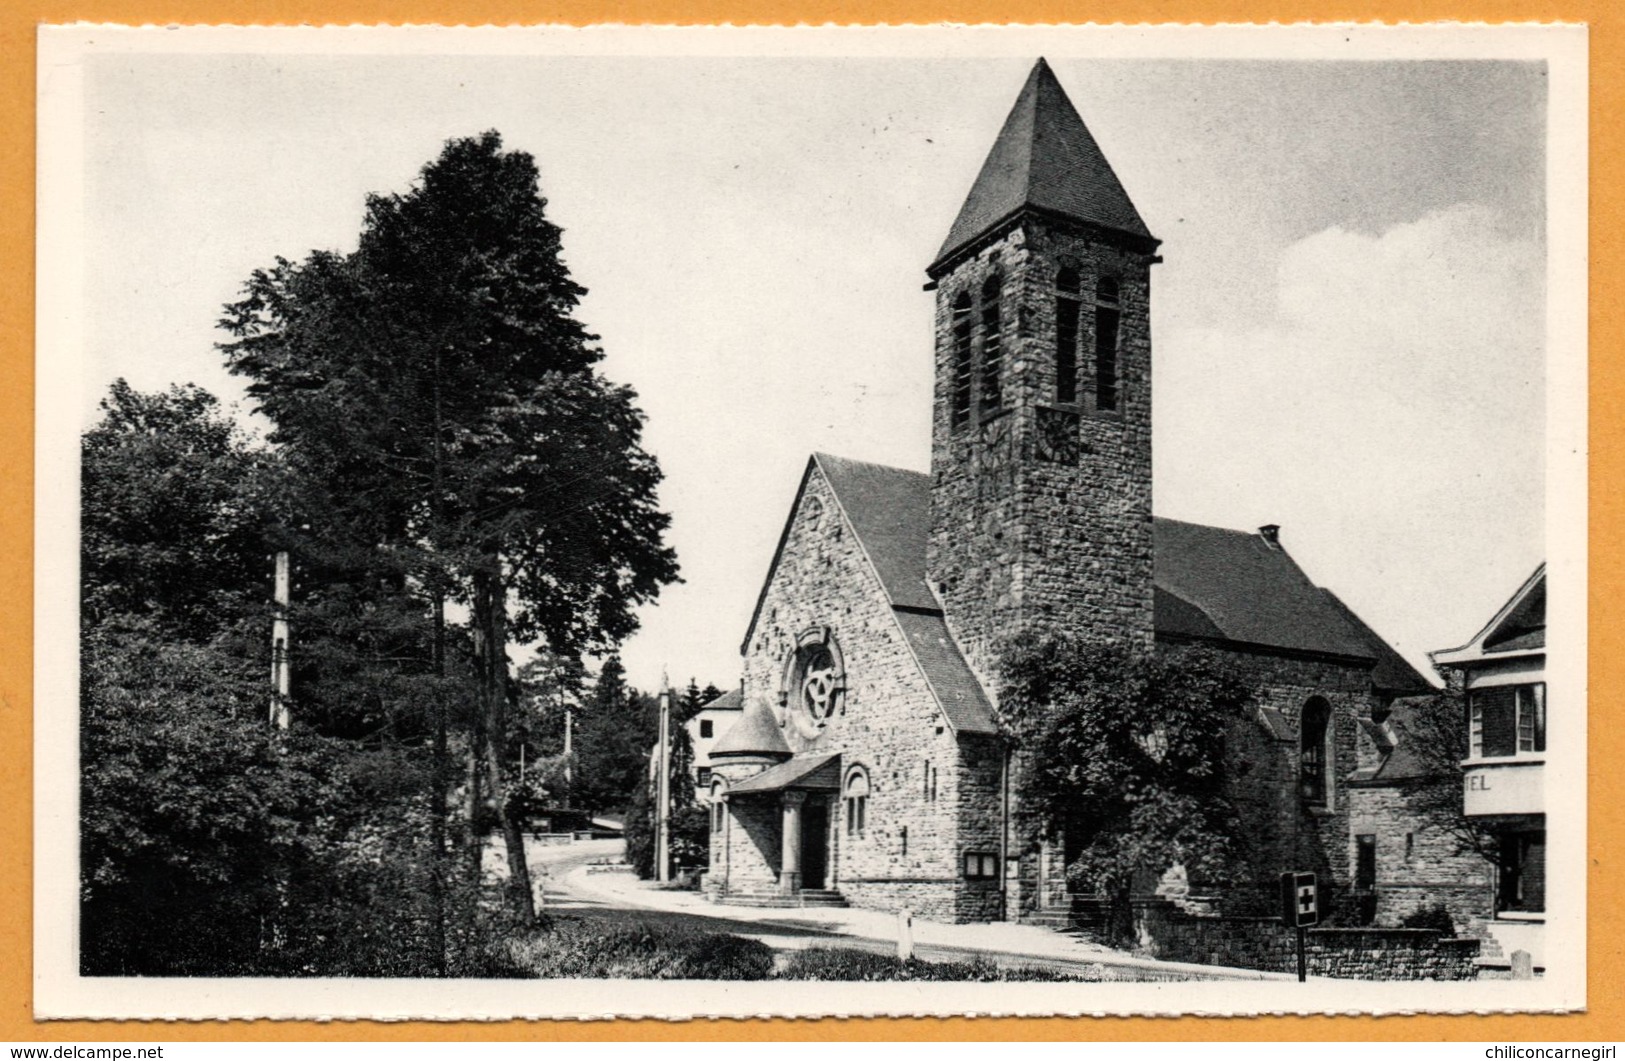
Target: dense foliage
{"points": [[1125, 753], [450, 474]]}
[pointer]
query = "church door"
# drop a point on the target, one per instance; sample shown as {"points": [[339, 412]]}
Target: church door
{"points": [[814, 843]]}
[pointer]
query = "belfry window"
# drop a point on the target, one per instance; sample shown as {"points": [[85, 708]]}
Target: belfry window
{"points": [[856, 798], [963, 373], [1314, 760], [992, 346], [1068, 296], [1107, 315]]}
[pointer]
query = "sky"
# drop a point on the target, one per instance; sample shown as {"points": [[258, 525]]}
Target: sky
{"points": [[1349, 324]]}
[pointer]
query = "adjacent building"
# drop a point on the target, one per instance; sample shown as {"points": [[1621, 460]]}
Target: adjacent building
{"points": [[1502, 672]]}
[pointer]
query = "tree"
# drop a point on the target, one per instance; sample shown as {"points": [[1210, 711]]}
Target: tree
{"points": [[438, 395], [209, 845], [174, 510], [1125, 753], [1434, 729], [613, 738]]}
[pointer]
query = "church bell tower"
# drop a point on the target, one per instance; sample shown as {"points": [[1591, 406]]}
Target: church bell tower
{"points": [[1041, 430]]}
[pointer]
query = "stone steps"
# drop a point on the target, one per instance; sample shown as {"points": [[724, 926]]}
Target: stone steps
{"points": [[1081, 915], [818, 897]]}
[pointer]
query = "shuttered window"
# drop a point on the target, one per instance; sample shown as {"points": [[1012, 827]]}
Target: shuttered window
{"points": [[1505, 720]]}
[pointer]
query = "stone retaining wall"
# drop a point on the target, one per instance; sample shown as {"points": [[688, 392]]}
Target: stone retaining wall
{"points": [[1167, 932]]}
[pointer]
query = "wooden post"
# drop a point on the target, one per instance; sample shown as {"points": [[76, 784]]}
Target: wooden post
{"points": [[663, 813], [905, 934], [281, 670]]}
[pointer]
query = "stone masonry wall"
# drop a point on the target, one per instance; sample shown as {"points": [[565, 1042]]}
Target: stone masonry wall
{"points": [[1418, 863], [1284, 833], [1020, 538], [745, 856], [887, 720], [1171, 934]]}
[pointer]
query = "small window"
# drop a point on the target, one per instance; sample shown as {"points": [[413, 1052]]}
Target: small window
{"points": [[981, 865], [857, 801], [902, 835], [1365, 862], [705, 728], [719, 810], [702, 776], [1106, 321], [992, 346], [960, 399], [1314, 742]]}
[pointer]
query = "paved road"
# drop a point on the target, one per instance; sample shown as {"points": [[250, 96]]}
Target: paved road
{"points": [[562, 900], [569, 893]]}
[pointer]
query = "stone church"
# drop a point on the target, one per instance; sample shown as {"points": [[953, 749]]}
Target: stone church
{"points": [[866, 766]]}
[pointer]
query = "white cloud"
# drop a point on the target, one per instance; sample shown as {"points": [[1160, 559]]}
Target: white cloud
{"points": [[1390, 415]]}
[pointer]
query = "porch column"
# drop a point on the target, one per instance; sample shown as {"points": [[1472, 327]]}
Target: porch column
{"points": [[790, 860]]}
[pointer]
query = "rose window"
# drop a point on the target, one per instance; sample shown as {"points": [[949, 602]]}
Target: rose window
{"points": [[818, 683]]}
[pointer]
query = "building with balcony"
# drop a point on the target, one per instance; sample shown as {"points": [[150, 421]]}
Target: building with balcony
{"points": [[1502, 673]]}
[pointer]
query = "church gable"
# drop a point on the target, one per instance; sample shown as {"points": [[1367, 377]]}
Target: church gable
{"points": [[875, 509], [824, 594]]}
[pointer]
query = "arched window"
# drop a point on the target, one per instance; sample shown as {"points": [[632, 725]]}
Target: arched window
{"points": [[960, 399], [1107, 315], [992, 345], [1068, 303], [718, 810], [1314, 753], [856, 798]]}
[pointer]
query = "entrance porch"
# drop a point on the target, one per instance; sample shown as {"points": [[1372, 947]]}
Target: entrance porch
{"points": [[778, 836]]}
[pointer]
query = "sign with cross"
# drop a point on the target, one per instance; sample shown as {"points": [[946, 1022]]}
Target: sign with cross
{"points": [[1300, 900]]}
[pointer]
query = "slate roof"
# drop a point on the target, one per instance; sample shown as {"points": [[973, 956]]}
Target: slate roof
{"points": [[1393, 672], [1403, 763], [955, 686], [1519, 625], [820, 773], [1248, 589], [732, 700], [1211, 583], [1044, 158], [756, 733], [890, 509]]}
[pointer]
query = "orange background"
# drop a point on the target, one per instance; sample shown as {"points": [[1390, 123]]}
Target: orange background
{"points": [[18, 19]]}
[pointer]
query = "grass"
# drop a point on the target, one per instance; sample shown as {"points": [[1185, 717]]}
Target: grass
{"points": [[852, 964], [635, 950], [589, 948]]}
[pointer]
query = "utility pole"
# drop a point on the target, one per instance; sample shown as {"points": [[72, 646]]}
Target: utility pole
{"points": [[569, 756], [663, 814], [281, 668]]}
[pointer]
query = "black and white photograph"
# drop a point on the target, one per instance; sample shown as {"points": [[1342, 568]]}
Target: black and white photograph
{"points": [[693, 522]]}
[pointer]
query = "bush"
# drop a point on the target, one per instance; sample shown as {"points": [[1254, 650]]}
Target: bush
{"points": [[850, 964], [641, 951], [1435, 917]]}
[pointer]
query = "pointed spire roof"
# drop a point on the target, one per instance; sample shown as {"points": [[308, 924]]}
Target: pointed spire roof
{"points": [[1044, 158], [755, 735]]}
